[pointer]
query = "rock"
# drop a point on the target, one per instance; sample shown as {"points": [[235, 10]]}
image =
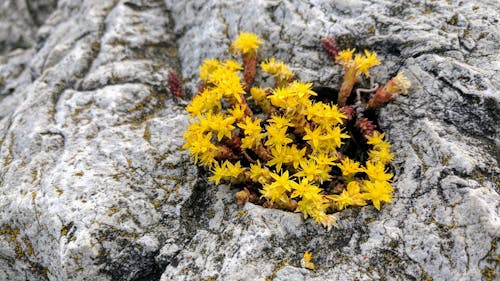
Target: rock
{"points": [[92, 176], [94, 185], [19, 21]]}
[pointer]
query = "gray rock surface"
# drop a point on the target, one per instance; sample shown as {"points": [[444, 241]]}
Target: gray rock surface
{"points": [[94, 186]]}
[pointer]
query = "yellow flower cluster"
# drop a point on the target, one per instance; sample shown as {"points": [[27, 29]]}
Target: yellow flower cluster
{"points": [[278, 69], [246, 43], [281, 142], [360, 63]]}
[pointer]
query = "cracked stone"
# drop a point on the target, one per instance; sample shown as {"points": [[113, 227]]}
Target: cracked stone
{"points": [[95, 186]]}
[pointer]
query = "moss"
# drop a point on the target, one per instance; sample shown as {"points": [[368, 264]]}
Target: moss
{"points": [[393, 244], [425, 277], [39, 270], [147, 133], [489, 273], [95, 46], [492, 267], [119, 42], [112, 211], [65, 229], [241, 213], [369, 220], [9, 232], [211, 213], [34, 175], [346, 41], [19, 251], [29, 246], [76, 112], [445, 160], [276, 269], [453, 20]]}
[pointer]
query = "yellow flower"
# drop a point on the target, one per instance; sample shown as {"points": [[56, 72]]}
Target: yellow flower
{"points": [[283, 181], [278, 69], [306, 261], [279, 157], [218, 123], [238, 111], [346, 55], [327, 220], [310, 170], [259, 174], [360, 63], [249, 126], [277, 136], [273, 193], [377, 192], [343, 200], [324, 115], [314, 205], [206, 101], [302, 89], [248, 142], [333, 138], [258, 94], [219, 172], [376, 171], [292, 155], [252, 141], [313, 137], [380, 155], [351, 196], [364, 63], [234, 170], [223, 78], [295, 155], [349, 167], [226, 171], [200, 146], [280, 121], [376, 138], [208, 66], [246, 43], [304, 188], [323, 159], [285, 155], [232, 65], [276, 190], [283, 97]]}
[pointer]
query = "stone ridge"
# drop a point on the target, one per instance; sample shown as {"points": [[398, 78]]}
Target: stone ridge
{"points": [[92, 176], [94, 185]]}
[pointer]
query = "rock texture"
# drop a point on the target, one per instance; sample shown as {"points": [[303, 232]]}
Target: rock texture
{"points": [[94, 186]]}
